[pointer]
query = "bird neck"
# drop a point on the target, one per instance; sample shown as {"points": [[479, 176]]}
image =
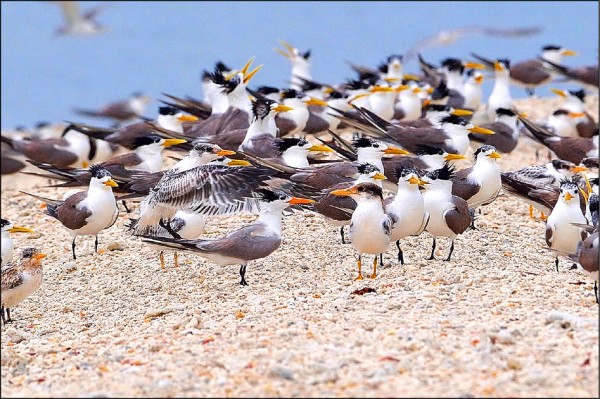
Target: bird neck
{"points": [[151, 156], [454, 81], [370, 157], [295, 157], [169, 122], [271, 218], [261, 126], [300, 69], [239, 99]]}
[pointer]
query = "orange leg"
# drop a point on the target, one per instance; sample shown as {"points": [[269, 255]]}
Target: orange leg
{"points": [[360, 276]]}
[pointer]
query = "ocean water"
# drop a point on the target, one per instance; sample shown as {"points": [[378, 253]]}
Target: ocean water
{"points": [[162, 47]]}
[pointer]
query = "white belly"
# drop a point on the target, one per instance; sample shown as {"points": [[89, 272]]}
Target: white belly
{"points": [[18, 294], [437, 224], [410, 219], [367, 235]]}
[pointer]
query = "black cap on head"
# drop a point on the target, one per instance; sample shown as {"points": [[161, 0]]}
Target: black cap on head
{"points": [[145, 140], [203, 147], [264, 90], [291, 93], [483, 148], [560, 111], [402, 171], [29, 252], [424, 149], [505, 111], [306, 54], [269, 195], [455, 120], [505, 62], [561, 164], [551, 47], [40, 125], [453, 64], [580, 94], [261, 106], [370, 188], [98, 171], [366, 168], [167, 110], [446, 172], [568, 184], [441, 91], [285, 143], [4, 223], [363, 142]]}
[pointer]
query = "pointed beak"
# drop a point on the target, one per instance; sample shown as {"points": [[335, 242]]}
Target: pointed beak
{"points": [[569, 53], [408, 76], [430, 90], [479, 79], [586, 197], [296, 200], [454, 157], [416, 90], [358, 96], [473, 65], [414, 180], [238, 162], [568, 196], [322, 148], [423, 183], [342, 193], [494, 155], [498, 66], [280, 51], [559, 92], [187, 118], [576, 114], [111, 183], [85, 164], [224, 153], [426, 102], [251, 74], [171, 142], [579, 169], [395, 151], [462, 112], [39, 256], [481, 130], [247, 66], [382, 89], [379, 176], [282, 108], [392, 80], [315, 101], [19, 229], [288, 46], [401, 88]]}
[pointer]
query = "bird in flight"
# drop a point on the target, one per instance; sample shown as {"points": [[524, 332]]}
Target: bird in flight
{"points": [[78, 23]]}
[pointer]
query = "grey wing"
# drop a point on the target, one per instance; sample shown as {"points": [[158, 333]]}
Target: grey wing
{"points": [[459, 218], [464, 188], [387, 226], [11, 276], [549, 234], [248, 243]]}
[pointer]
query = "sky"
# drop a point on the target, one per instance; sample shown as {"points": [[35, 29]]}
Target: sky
{"points": [[162, 47]]}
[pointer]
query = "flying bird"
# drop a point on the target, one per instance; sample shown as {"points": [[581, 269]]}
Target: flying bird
{"points": [[78, 23]]}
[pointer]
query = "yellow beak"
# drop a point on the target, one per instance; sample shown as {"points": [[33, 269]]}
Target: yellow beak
{"points": [[358, 96], [579, 169], [462, 112], [19, 229], [251, 74], [323, 148], [426, 102], [170, 142], [401, 88], [39, 256], [576, 114], [569, 53], [343, 193], [224, 153], [474, 65], [408, 76], [495, 155], [454, 157], [187, 118], [315, 101], [238, 162], [481, 130], [498, 66], [296, 200], [379, 176], [111, 183], [559, 92], [395, 151], [392, 80], [568, 196], [282, 108], [247, 66], [382, 89], [479, 79], [414, 180]]}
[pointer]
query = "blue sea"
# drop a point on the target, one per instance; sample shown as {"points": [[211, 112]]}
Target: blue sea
{"points": [[162, 47]]}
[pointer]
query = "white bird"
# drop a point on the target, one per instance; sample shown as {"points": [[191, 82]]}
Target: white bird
{"points": [[77, 23], [7, 242]]}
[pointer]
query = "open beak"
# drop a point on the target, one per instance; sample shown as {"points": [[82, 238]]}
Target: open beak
{"points": [[343, 193], [39, 256], [170, 142], [111, 183], [187, 118], [379, 176], [323, 148], [569, 53], [224, 153], [238, 162], [568, 196], [462, 112], [395, 151], [251, 74], [473, 65], [495, 155], [247, 66], [559, 92], [19, 229], [296, 200], [481, 130], [282, 108], [414, 180], [579, 169], [315, 101], [454, 157]]}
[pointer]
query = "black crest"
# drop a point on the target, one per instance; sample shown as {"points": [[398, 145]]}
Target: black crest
{"points": [[568, 184], [424, 149], [366, 168], [221, 67], [446, 172], [453, 64], [455, 120], [483, 148], [370, 188], [267, 195], [590, 162], [551, 47], [504, 111], [261, 107], [357, 84], [217, 77], [310, 85], [287, 142], [203, 147], [29, 252], [363, 142], [336, 94], [99, 171], [265, 90], [505, 62], [437, 107], [291, 93], [441, 91], [4, 223], [560, 112], [145, 140], [580, 94], [40, 125], [167, 110], [306, 54], [402, 171]]}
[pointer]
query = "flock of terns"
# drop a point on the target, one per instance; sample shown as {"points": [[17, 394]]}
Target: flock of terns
{"points": [[376, 153]]}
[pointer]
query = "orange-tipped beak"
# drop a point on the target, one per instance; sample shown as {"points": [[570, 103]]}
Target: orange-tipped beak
{"points": [[395, 151], [481, 130], [187, 118], [495, 155], [224, 153], [296, 200], [576, 114]]}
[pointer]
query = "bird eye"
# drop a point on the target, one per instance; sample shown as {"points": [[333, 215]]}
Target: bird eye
{"points": [[375, 145]]}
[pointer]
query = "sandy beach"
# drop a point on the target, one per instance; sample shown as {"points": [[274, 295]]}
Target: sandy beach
{"points": [[496, 321]]}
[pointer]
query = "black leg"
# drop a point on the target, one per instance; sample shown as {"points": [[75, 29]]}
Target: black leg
{"points": [[342, 234], [451, 250], [96, 244], [243, 274], [400, 254], [125, 206], [574, 267], [167, 226], [432, 250], [556, 264], [381, 259], [73, 248], [3, 318], [8, 318], [472, 214], [596, 291]]}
